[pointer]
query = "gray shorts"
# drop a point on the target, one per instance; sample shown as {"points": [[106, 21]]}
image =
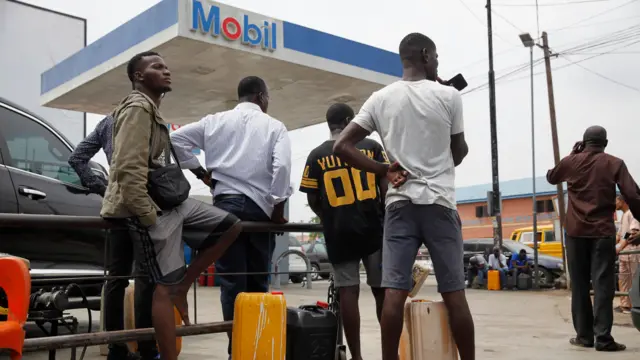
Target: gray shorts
{"points": [[161, 246], [408, 226], [348, 273]]}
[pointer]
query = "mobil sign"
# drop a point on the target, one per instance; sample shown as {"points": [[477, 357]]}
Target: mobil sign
{"points": [[174, 127], [207, 18]]}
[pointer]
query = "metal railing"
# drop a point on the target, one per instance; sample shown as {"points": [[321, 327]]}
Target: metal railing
{"points": [[99, 338], [630, 252], [108, 337]]}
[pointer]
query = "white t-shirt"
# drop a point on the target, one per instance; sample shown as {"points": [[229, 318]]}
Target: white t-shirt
{"points": [[415, 120], [494, 262]]}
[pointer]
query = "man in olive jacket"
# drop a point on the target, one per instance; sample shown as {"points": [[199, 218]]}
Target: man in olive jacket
{"points": [[140, 141]]}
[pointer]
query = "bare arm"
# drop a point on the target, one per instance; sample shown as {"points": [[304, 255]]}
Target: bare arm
{"points": [[314, 203], [459, 147], [629, 190], [345, 148]]}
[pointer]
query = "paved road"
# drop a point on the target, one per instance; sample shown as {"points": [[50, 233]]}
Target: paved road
{"points": [[510, 325]]}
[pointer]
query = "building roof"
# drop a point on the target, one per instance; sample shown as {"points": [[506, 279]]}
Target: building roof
{"points": [[306, 70], [510, 189]]}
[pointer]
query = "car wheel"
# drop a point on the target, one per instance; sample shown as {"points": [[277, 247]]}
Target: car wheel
{"points": [[296, 279], [546, 278], [315, 275]]}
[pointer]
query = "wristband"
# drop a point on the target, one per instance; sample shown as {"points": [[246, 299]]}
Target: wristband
{"points": [[199, 173]]}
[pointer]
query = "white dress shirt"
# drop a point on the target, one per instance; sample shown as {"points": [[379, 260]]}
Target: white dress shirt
{"points": [[248, 152], [494, 262]]}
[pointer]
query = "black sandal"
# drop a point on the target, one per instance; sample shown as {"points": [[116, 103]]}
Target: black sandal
{"points": [[611, 347], [579, 343]]}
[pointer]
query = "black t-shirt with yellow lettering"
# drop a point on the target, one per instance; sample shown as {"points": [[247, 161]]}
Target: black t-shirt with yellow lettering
{"points": [[352, 212]]}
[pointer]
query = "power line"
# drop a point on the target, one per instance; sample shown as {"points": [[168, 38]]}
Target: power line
{"points": [[525, 66], [592, 24], [603, 40], [603, 12], [514, 70], [614, 38], [560, 3], [600, 37], [601, 76], [608, 53], [482, 22], [508, 21]]}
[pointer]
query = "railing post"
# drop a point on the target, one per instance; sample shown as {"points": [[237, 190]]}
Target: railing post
{"points": [[293, 252]]}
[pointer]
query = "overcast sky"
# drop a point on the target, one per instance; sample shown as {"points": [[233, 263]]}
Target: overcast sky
{"points": [[601, 89]]}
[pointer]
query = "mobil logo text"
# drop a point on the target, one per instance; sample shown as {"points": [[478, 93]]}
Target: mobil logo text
{"points": [[207, 18]]}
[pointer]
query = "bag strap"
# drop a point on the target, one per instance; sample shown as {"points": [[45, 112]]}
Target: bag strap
{"points": [[173, 152]]}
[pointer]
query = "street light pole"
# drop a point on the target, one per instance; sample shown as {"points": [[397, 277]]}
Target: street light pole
{"points": [[527, 41], [496, 201]]}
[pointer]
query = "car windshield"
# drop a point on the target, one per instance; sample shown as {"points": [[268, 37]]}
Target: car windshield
{"points": [[515, 247]]}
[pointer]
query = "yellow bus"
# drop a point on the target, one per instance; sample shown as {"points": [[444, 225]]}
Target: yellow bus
{"points": [[547, 242]]}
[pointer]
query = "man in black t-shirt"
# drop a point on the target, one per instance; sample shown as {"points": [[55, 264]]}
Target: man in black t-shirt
{"points": [[350, 204]]}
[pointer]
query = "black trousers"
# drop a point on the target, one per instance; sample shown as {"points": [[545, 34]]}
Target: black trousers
{"points": [[592, 261], [120, 263]]}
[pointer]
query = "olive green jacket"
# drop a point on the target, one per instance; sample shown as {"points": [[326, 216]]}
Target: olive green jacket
{"points": [[140, 138]]}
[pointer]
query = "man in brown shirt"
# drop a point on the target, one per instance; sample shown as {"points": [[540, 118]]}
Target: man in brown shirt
{"points": [[592, 176]]}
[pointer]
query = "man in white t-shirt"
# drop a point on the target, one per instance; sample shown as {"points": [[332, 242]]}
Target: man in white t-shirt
{"points": [[421, 126]]}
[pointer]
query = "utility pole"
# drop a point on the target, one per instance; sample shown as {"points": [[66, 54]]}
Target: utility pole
{"points": [[496, 202], [554, 139]]}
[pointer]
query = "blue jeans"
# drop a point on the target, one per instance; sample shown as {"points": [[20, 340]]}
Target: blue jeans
{"points": [[251, 252], [482, 275]]}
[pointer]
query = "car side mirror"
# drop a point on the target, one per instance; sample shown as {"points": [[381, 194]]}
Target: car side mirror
{"points": [[98, 170]]}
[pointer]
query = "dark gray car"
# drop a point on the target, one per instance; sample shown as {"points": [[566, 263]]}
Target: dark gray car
{"points": [[549, 267]]}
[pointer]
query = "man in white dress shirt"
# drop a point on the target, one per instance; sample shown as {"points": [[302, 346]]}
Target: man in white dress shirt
{"points": [[248, 163]]}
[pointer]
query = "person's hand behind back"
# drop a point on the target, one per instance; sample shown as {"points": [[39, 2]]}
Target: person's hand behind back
{"points": [[396, 175]]}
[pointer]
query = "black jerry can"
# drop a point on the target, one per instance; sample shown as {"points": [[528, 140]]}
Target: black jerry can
{"points": [[312, 333]]}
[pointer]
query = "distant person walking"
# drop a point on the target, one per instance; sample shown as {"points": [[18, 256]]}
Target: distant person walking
{"points": [[592, 176]]}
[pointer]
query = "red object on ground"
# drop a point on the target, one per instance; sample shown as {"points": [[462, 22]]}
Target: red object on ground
{"points": [[211, 270], [202, 280], [322, 304]]}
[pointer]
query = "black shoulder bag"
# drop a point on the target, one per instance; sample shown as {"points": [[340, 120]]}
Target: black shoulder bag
{"points": [[167, 186]]}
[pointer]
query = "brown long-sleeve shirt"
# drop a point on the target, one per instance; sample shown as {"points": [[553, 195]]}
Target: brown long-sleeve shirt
{"points": [[591, 177]]}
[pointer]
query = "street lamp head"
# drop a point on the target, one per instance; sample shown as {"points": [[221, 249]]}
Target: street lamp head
{"points": [[527, 40]]}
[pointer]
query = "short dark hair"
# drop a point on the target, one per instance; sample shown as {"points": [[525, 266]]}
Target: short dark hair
{"points": [[132, 66], [412, 45], [621, 197], [595, 135], [337, 113], [251, 85]]}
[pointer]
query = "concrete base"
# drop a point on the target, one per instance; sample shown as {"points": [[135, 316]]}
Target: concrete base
{"points": [[505, 327]]}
